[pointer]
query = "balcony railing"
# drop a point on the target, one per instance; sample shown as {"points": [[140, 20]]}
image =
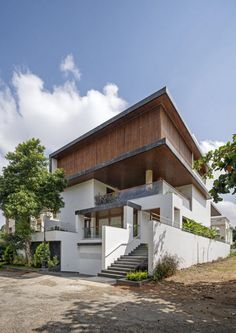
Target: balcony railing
{"points": [[92, 232], [128, 194], [158, 187], [53, 225]]}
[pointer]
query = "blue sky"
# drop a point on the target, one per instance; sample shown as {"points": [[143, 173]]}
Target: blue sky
{"points": [[190, 46], [136, 46]]}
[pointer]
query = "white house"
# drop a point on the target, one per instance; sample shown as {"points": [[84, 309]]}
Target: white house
{"points": [[130, 185]]}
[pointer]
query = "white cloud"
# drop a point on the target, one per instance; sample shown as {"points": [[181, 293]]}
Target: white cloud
{"points": [[207, 145], [68, 66], [55, 117]]}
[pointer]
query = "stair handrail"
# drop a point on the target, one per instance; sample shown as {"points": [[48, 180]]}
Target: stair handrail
{"points": [[122, 244]]}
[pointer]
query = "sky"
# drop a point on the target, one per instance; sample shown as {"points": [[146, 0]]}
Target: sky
{"points": [[67, 66]]}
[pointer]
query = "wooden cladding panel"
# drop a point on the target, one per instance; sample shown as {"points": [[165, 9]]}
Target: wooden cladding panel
{"points": [[130, 134], [169, 131]]}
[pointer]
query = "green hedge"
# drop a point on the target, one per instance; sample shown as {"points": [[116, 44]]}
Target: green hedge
{"points": [[137, 276], [199, 229]]}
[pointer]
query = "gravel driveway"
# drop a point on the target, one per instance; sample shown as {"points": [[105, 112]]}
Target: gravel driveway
{"points": [[30, 302]]}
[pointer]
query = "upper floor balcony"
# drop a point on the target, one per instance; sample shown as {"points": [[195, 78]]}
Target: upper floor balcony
{"points": [[158, 187]]}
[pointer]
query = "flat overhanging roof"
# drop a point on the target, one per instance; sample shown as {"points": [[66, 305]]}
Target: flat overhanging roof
{"points": [[107, 207], [128, 170], [161, 97]]}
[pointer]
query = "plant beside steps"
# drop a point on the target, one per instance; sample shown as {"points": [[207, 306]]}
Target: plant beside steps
{"points": [[135, 260]]}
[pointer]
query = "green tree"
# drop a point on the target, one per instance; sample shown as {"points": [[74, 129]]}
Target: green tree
{"points": [[27, 187], [222, 159]]}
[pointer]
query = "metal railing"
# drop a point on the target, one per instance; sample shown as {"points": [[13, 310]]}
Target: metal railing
{"points": [[92, 232], [128, 194], [158, 187], [51, 225]]}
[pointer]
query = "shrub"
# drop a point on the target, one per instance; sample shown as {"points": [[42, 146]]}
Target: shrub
{"points": [[42, 255], [19, 260], [165, 267], [2, 250], [137, 276], [53, 262], [199, 229], [1, 264], [9, 254]]}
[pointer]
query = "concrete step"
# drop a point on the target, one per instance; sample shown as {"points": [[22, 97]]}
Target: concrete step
{"points": [[125, 265], [133, 257], [130, 260], [110, 271], [121, 268], [111, 276]]}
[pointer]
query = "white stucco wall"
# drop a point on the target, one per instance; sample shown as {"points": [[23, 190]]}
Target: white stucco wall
{"points": [[201, 208], [115, 243], [190, 249], [76, 197], [200, 211]]}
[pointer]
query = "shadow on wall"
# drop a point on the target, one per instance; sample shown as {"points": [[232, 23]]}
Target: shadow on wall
{"points": [[163, 307], [158, 245]]}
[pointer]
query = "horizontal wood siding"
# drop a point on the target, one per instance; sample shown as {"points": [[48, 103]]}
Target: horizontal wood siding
{"points": [[169, 131], [128, 135]]}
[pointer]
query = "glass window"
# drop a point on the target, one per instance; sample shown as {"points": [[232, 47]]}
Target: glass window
{"points": [[116, 221]]}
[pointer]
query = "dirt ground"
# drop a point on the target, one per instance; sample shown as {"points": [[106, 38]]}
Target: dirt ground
{"points": [[200, 299]]}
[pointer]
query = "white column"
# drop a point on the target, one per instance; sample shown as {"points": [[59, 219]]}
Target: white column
{"points": [[149, 179], [53, 164], [128, 220], [79, 225]]}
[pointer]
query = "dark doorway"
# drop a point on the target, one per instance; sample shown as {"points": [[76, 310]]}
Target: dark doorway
{"points": [[55, 249]]}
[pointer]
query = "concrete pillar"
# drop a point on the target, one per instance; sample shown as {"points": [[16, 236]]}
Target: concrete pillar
{"points": [[128, 220], [79, 225], [149, 177]]}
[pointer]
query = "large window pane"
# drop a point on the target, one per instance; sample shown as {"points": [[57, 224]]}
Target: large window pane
{"points": [[116, 221]]}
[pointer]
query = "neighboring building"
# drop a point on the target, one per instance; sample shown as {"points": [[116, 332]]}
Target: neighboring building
{"points": [[131, 182], [9, 226], [222, 225]]}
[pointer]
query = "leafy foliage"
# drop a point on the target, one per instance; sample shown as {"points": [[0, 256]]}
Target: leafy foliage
{"points": [[165, 267], [19, 260], [53, 262], [234, 235], [42, 255], [137, 276], [9, 254], [199, 229], [222, 159], [27, 187], [2, 250]]}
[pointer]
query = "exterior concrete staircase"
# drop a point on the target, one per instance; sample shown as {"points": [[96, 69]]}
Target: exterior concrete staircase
{"points": [[135, 260]]}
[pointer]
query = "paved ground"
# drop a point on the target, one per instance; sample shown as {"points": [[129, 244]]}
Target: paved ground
{"points": [[202, 299]]}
